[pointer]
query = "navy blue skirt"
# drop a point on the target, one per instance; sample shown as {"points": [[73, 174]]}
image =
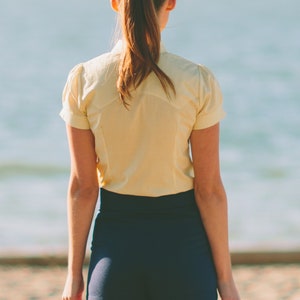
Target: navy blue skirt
{"points": [[150, 248]]}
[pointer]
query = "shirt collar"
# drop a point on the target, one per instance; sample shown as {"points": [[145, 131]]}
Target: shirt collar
{"points": [[120, 44]]}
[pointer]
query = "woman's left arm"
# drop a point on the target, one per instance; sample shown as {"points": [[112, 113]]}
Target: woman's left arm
{"points": [[212, 203], [82, 198]]}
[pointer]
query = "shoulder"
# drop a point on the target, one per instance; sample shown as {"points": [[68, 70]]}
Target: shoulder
{"points": [[176, 62], [103, 60], [188, 75], [96, 71], [182, 67], [100, 65]]}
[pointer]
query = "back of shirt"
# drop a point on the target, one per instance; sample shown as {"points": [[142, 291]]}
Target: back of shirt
{"points": [[144, 149]]}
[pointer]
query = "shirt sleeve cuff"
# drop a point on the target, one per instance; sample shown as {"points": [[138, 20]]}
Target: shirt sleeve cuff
{"points": [[79, 122], [209, 120]]}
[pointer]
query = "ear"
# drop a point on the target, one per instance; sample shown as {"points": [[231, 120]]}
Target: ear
{"points": [[115, 5], [171, 4]]}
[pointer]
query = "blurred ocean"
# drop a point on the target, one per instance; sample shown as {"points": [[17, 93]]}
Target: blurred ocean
{"points": [[253, 47]]}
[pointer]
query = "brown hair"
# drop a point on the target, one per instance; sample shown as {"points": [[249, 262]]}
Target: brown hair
{"points": [[141, 32]]}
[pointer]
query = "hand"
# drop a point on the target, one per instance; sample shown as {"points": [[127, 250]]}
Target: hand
{"points": [[228, 290], [74, 288]]}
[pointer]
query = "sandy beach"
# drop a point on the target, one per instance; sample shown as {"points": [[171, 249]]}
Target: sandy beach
{"points": [[43, 277]]}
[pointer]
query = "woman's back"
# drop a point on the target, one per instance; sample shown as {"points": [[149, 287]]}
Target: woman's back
{"points": [[143, 149]]}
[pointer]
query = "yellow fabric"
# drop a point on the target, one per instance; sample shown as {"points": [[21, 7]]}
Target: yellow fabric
{"points": [[143, 150]]}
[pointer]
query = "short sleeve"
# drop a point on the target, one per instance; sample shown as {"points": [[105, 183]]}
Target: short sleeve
{"points": [[73, 111], [210, 110]]}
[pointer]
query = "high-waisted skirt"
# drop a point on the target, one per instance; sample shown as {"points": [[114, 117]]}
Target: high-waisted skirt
{"points": [[150, 248]]}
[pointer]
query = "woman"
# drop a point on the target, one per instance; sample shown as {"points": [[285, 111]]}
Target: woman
{"points": [[161, 232]]}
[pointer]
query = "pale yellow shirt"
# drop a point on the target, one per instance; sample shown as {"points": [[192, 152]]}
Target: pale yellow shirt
{"points": [[143, 150]]}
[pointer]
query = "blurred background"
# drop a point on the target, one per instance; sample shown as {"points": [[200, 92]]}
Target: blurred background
{"points": [[253, 48]]}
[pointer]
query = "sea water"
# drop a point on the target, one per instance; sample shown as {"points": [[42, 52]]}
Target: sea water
{"points": [[253, 48]]}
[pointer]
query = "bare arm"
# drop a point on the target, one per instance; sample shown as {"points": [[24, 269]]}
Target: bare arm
{"points": [[82, 197], [212, 203]]}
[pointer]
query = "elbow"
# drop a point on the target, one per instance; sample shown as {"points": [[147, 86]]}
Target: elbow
{"points": [[210, 193], [83, 190]]}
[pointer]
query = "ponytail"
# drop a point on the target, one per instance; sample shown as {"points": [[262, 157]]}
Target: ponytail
{"points": [[142, 36]]}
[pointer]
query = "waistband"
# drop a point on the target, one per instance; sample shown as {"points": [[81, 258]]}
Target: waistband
{"points": [[181, 202]]}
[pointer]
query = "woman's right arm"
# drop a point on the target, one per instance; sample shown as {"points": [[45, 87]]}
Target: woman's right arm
{"points": [[82, 197], [212, 203]]}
